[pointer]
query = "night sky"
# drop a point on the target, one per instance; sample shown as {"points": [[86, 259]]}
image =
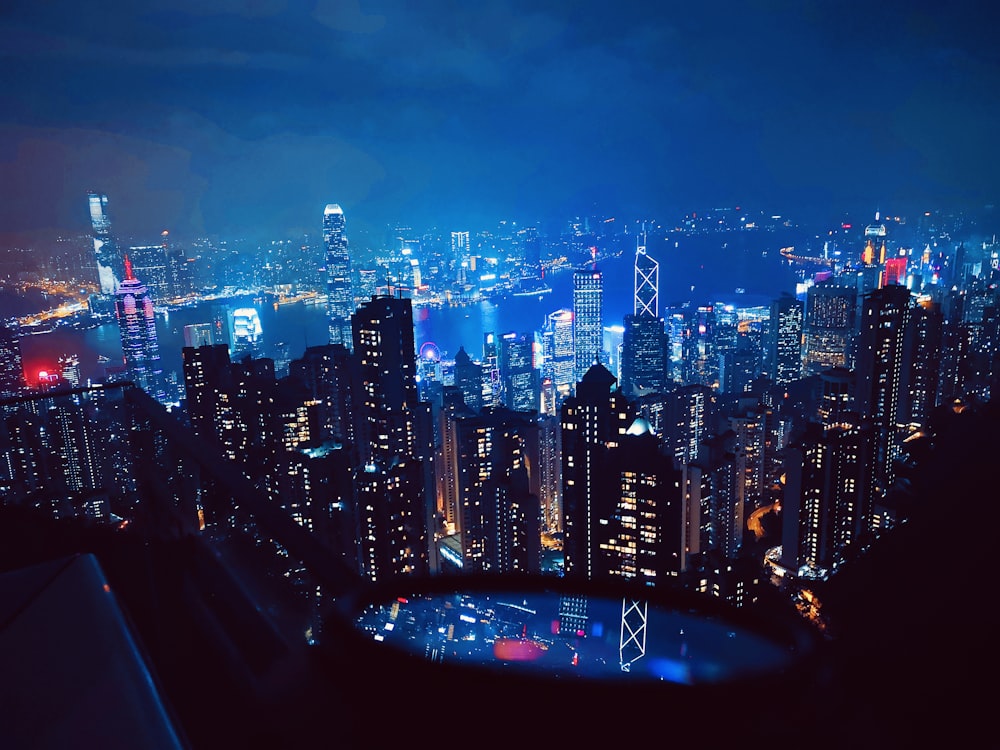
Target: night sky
{"points": [[246, 117]]}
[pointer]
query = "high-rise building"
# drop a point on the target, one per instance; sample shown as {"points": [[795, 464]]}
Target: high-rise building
{"points": [[644, 348], [245, 332], [880, 374], [785, 355], [557, 349], [137, 327], [339, 288], [492, 386], [498, 515], [593, 423], [517, 372], [830, 325], [106, 252], [588, 320], [394, 498], [469, 379], [326, 371], [11, 366]]}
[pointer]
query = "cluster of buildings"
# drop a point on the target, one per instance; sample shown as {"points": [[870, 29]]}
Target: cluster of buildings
{"points": [[663, 457]]}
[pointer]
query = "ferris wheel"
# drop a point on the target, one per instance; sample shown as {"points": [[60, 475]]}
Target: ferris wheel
{"points": [[430, 352]]}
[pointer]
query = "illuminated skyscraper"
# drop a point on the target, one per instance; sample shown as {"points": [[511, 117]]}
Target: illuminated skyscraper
{"points": [[517, 372], [593, 422], [339, 290], [643, 341], [588, 320], [137, 326], [880, 374], [11, 366], [557, 349], [106, 250], [785, 355], [830, 320], [394, 497]]}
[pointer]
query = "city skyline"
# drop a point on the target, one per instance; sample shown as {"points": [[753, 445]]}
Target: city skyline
{"points": [[251, 117]]}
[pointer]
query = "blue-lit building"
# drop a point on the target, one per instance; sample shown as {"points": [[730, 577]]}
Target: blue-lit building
{"points": [[339, 286], [137, 326]]}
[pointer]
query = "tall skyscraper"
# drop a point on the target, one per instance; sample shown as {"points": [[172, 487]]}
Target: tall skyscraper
{"points": [[498, 516], [588, 319], [517, 372], [394, 500], [785, 355], [106, 250], [830, 325], [880, 374], [593, 424], [137, 327], [339, 289], [557, 350], [11, 367], [643, 341]]}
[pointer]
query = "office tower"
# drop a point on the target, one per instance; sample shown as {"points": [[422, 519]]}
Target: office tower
{"points": [[327, 372], [518, 376], [643, 356], [880, 374], [588, 320], [11, 366], [557, 347], [394, 483], [643, 367], [895, 272], [699, 354], [245, 332], [199, 334], [137, 327], [593, 423], [738, 369], [498, 515], [339, 289], [613, 345], [469, 379], [785, 350], [830, 326], [492, 386], [106, 250]]}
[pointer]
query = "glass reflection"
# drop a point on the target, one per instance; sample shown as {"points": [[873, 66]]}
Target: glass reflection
{"points": [[574, 636]]}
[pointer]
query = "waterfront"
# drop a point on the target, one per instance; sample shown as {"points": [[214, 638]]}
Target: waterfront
{"points": [[698, 269]]}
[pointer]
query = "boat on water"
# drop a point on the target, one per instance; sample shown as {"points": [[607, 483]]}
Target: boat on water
{"points": [[530, 288]]}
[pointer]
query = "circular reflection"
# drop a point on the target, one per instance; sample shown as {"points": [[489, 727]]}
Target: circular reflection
{"points": [[561, 634]]}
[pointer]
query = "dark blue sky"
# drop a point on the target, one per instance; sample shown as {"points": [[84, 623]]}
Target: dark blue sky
{"points": [[219, 116]]}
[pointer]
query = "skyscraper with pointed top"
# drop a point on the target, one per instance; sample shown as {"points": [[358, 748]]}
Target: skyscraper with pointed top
{"points": [[137, 327], [643, 341], [339, 289]]}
